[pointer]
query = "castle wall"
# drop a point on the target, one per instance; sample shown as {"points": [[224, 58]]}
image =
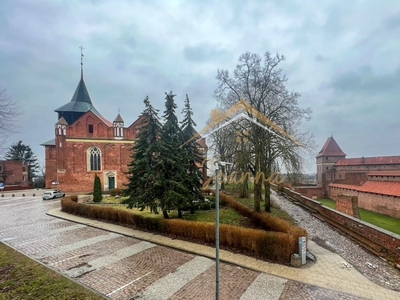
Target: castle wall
{"points": [[386, 205]]}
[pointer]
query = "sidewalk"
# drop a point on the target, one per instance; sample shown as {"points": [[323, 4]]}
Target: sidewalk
{"points": [[327, 272]]}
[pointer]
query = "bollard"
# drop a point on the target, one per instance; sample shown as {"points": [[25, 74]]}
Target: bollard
{"points": [[12, 195], [23, 195], [2, 195], [33, 194]]}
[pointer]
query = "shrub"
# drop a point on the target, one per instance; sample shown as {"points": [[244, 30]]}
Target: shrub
{"points": [[116, 192], [74, 198], [277, 241], [97, 193], [205, 206]]}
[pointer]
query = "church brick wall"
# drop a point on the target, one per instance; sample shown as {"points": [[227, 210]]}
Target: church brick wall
{"points": [[78, 177]]}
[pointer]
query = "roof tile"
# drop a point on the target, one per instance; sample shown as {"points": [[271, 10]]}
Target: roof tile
{"points": [[382, 160], [331, 148], [376, 187]]}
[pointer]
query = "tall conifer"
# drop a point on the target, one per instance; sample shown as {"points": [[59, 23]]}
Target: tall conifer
{"points": [[145, 183], [171, 163], [193, 156]]}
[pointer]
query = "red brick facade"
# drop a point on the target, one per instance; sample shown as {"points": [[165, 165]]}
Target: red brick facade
{"points": [[13, 173], [89, 145], [71, 154]]}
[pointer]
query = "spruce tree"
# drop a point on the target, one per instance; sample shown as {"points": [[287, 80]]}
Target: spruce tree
{"points": [[193, 156], [145, 183], [171, 163], [97, 193]]}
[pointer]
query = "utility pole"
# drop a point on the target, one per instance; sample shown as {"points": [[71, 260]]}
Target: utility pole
{"points": [[217, 165]]}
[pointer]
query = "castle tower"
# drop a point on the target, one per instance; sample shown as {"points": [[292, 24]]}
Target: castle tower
{"points": [[326, 160]]}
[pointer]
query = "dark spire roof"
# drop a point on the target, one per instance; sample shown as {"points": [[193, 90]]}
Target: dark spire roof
{"points": [[80, 101], [119, 119], [331, 148]]}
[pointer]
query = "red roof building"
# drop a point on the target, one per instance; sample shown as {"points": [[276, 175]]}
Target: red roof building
{"points": [[87, 144]]}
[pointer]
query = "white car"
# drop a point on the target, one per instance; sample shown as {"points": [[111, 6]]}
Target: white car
{"points": [[53, 195]]}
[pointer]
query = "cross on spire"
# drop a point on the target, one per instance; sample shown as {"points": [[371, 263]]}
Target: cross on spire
{"points": [[81, 60]]}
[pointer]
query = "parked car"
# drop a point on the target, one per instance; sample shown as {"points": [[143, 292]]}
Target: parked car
{"points": [[53, 195]]}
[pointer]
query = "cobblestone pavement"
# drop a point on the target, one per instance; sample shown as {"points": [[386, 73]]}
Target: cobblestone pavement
{"points": [[326, 236], [121, 267]]}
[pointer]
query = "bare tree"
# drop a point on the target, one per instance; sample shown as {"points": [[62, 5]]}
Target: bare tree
{"points": [[260, 82], [9, 112]]}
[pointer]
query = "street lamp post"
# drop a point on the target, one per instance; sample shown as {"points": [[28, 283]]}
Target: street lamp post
{"points": [[217, 165]]}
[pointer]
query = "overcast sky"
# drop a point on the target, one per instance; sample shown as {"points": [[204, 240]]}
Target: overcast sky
{"points": [[342, 56]]}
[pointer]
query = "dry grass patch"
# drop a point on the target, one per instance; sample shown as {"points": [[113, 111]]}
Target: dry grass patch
{"points": [[23, 278]]}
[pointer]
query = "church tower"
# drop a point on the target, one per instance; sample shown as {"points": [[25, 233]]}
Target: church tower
{"points": [[326, 160], [79, 104]]}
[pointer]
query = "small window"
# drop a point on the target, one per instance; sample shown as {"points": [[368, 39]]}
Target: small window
{"points": [[23, 178], [90, 128], [23, 169], [1, 168], [326, 158], [327, 168]]}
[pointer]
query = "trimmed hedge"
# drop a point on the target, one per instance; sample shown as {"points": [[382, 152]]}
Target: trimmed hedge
{"points": [[277, 242]]}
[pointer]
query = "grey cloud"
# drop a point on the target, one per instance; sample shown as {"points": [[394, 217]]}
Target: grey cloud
{"points": [[203, 53], [365, 81]]}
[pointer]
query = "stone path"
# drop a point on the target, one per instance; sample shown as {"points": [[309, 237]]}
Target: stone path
{"points": [[121, 263]]}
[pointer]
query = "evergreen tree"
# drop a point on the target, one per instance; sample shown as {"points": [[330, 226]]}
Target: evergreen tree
{"points": [[21, 152], [145, 183], [171, 163], [97, 193], [193, 156]]}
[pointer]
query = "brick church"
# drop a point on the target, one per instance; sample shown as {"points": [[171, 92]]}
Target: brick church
{"points": [[86, 144]]}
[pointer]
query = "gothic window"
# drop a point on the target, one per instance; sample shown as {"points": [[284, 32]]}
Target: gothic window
{"points": [[95, 159]]}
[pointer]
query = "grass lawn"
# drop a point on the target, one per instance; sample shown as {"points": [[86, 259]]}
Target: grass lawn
{"points": [[23, 278], [226, 216], [382, 221]]}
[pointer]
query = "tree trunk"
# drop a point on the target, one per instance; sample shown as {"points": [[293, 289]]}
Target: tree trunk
{"points": [[165, 214], [180, 213], [191, 207], [257, 196], [244, 190], [267, 195]]}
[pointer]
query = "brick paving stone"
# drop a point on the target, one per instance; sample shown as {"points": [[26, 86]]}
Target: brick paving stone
{"points": [[165, 287], [82, 255], [234, 281], [300, 291], [144, 269], [111, 264], [265, 287], [99, 236], [103, 261]]}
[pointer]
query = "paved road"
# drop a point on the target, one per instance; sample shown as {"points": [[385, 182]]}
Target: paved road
{"points": [[121, 267]]}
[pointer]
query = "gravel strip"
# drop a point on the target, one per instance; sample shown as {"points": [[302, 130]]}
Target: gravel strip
{"points": [[326, 236]]}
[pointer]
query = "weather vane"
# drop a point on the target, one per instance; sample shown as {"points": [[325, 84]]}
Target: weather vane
{"points": [[81, 55]]}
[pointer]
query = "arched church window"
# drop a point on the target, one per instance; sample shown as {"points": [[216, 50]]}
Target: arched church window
{"points": [[95, 159]]}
